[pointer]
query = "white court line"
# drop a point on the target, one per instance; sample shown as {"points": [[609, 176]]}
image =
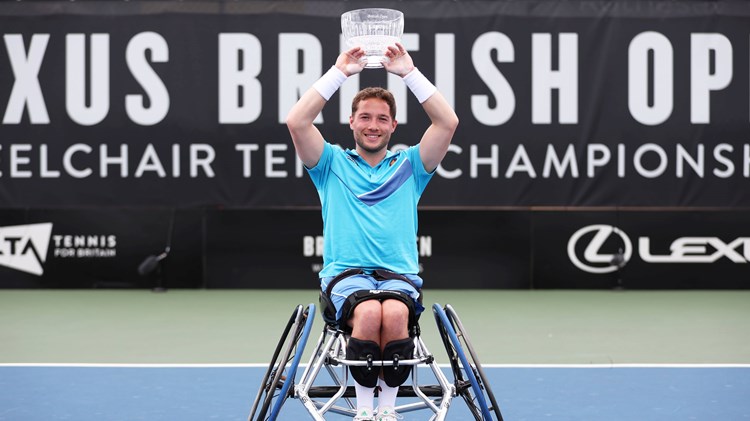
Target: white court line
{"points": [[135, 365], [265, 365], [623, 365]]}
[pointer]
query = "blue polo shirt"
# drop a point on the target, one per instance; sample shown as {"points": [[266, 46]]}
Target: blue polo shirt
{"points": [[369, 213]]}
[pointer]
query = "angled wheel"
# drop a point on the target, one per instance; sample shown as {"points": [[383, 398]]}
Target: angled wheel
{"points": [[463, 337], [470, 382], [278, 380]]}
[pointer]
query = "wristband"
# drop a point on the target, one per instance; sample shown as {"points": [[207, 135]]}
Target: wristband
{"points": [[419, 85], [330, 82]]}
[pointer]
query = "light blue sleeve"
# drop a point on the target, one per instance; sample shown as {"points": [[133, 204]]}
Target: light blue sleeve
{"points": [[319, 173]]}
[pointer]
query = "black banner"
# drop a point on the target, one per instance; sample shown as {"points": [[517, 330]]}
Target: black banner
{"points": [[688, 249], [457, 249], [563, 104], [591, 132], [461, 249], [100, 248]]}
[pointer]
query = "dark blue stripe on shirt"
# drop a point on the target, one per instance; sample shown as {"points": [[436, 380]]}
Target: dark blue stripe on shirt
{"points": [[396, 180]]}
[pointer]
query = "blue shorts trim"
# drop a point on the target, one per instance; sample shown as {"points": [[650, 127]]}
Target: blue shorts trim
{"points": [[350, 285]]}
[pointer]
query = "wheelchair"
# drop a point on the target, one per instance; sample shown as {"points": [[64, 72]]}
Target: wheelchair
{"points": [[334, 395]]}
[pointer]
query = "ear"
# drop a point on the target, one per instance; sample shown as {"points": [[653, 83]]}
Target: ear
{"points": [[351, 121]]}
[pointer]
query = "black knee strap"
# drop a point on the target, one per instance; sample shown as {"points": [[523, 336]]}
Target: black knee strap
{"points": [[402, 349], [329, 311], [357, 297], [357, 349]]}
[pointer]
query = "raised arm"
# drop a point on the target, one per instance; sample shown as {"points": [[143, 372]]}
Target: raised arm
{"points": [[435, 141], [308, 141]]}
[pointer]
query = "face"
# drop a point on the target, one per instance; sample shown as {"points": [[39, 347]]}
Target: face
{"points": [[372, 126]]}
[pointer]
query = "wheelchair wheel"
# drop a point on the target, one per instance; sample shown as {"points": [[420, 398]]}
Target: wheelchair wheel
{"points": [[461, 333], [470, 381], [277, 382]]}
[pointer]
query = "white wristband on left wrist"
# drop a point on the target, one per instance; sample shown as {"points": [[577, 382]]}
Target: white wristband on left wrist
{"points": [[330, 82], [422, 88]]}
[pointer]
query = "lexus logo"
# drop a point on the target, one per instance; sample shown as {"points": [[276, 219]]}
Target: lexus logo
{"points": [[690, 249], [593, 260]]}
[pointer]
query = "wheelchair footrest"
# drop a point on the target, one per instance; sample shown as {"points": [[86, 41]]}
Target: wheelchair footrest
{"points": [[403, 391]]}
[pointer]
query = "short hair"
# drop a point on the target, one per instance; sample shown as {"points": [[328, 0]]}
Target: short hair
{"points": [[375, 92]]}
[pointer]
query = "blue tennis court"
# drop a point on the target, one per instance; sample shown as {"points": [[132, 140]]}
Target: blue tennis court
{"points": [[580, 393], [549, 355]]}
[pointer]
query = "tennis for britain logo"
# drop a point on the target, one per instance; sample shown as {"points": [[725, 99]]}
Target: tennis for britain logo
{"points": [[24, 247]]}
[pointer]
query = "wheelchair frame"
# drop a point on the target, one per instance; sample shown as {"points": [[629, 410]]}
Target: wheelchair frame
{"points": [[279, 382]]}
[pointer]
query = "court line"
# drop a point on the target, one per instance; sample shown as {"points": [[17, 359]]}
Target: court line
{"points": [[264, 365]]}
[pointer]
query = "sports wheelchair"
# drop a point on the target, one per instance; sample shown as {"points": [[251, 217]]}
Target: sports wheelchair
{"points": [[281, 382]]}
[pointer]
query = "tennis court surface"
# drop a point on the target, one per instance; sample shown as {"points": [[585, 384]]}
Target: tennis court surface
{"points": [[199, 354]]}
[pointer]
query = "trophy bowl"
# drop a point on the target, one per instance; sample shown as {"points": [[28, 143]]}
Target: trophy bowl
{"points": [[373, 30]]}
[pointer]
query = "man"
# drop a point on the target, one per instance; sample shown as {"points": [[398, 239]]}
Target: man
{"points": [[369, 199]]}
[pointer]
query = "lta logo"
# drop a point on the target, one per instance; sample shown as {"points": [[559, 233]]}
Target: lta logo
{"points": [[24, 247]]}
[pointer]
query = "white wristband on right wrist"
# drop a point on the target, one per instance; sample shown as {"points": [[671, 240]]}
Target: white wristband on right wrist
{"points": [[420, 86], [330, 82]]}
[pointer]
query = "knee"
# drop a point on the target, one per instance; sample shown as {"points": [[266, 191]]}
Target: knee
{"points": [[395, 314], [367, 315]]}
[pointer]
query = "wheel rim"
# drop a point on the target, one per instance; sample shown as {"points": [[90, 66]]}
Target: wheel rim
{"points": [[467, 386], [477, 366], [270, 382], [298, 345]]}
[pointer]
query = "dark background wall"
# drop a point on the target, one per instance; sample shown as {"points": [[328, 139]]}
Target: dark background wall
{"points": [[588, 130]]}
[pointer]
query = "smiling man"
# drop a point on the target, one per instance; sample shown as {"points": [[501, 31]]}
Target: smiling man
{"points": [[369, 199]]}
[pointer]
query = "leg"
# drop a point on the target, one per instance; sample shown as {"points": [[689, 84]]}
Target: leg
{"points": [[374, 325], [383, 324], [394, 340], [366, 321], [395, 322], [380, 322]]}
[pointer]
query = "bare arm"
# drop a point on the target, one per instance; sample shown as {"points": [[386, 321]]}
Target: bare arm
{"points": [[437, 137], [435, 141], [308, 141]]}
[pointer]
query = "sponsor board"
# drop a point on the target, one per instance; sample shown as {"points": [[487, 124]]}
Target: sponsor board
{"points": [[707, 249], [457, 249], [25, 247]]}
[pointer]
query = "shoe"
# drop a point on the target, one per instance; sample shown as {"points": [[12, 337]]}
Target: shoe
{"points": [[387, 414], [364, 414]]}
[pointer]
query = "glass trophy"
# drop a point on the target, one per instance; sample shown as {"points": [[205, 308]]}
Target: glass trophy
{"points": [[373, 30]]}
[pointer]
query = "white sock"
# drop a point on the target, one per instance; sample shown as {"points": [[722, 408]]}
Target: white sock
{"points": [[387, 395], [365, 396]]}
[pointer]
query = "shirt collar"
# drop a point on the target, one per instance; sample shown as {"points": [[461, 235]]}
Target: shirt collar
{"points": [[353, 153]]}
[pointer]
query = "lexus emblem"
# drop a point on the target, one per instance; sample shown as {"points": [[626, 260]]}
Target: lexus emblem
{"points": [[593, 260]]}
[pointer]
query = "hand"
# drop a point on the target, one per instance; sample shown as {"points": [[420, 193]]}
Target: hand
{"points": [[399, 61], [350, 62]]}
